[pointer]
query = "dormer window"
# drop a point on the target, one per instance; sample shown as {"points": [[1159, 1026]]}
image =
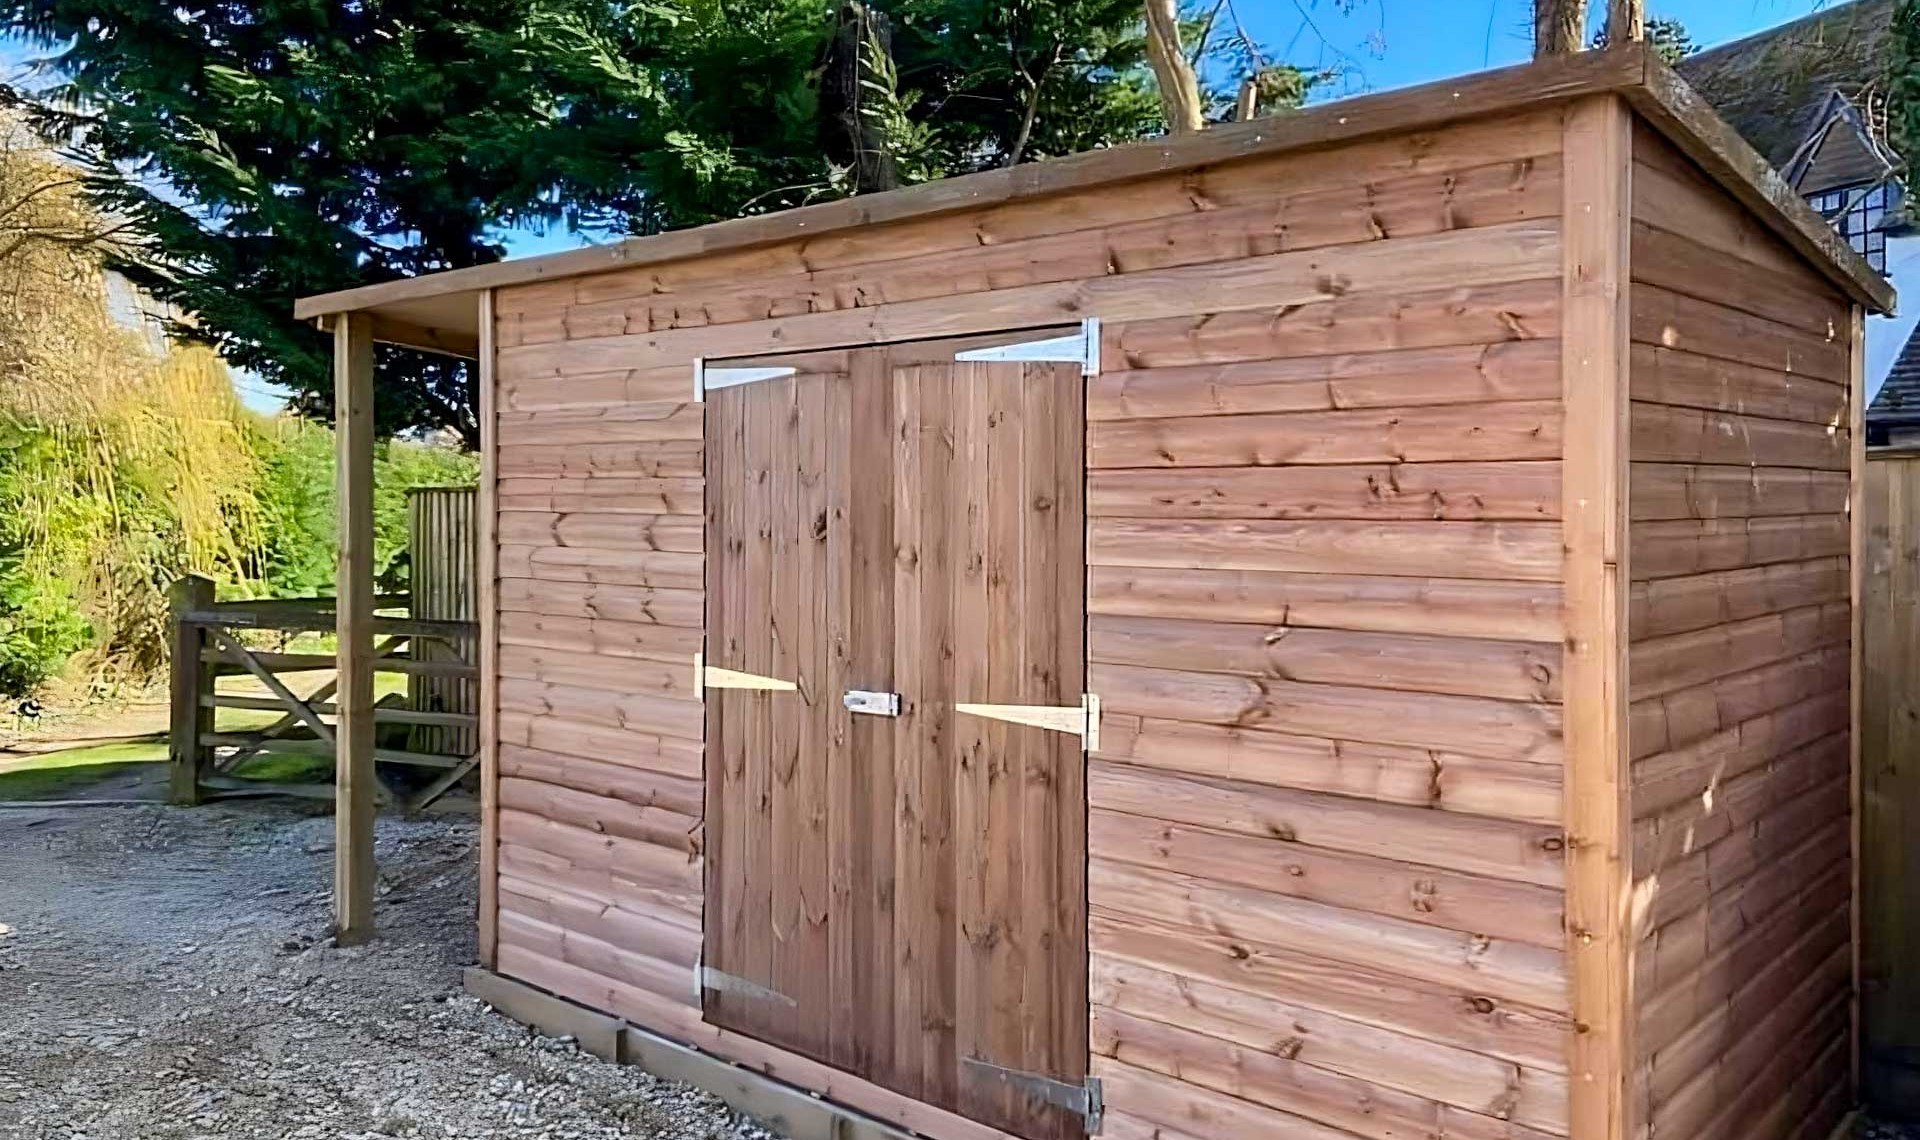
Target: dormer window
{"points": [[1859, 214]]}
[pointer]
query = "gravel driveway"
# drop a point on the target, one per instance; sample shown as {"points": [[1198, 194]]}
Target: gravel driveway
{"points": [[164, 975]]}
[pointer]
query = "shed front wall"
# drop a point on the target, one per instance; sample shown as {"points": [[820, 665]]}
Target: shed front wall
{"points": [[1324, 617], [1742, 361]]}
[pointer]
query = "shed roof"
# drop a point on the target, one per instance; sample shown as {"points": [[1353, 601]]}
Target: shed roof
{"points": [[438, 311]]}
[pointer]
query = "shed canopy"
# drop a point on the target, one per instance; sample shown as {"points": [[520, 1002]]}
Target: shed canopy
{"points": [[438, 311]]}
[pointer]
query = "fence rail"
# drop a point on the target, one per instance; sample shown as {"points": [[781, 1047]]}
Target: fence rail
{"points": [[208, 645]]}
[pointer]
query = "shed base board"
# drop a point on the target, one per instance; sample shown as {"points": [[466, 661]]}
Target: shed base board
{"points": [[789, 1110]]}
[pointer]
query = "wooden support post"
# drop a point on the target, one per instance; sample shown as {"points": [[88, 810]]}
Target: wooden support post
{"points": [[1598, 150], [1856, 681], [191, 679], [353, 871], [486, 576]]}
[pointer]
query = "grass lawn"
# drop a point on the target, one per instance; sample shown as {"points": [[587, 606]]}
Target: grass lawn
{"points": [[54, 775]]}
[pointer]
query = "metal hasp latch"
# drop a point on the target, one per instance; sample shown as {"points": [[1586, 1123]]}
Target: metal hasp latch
{"points": [[1085, 1099], [870, 703]]}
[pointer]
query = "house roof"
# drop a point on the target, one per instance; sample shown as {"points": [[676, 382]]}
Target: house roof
{"points": [[1898, 400], [1773, 87], [440, 311]]}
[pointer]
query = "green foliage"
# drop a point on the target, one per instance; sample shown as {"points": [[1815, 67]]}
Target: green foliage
{"points": [[40, 620], [261, 150], [1903, 96]]}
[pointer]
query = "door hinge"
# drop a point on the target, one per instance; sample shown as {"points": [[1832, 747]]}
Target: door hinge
{"points": [[1082, 348], [707, 676], [1081, 720], [1086, 1098], [706, 378], [711, 980]]}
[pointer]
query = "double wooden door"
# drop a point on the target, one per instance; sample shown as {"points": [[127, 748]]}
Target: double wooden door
{"points": [[900, 892]]}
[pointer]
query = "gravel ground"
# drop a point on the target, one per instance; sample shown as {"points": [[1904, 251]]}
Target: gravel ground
{"points": [[165, 975]]}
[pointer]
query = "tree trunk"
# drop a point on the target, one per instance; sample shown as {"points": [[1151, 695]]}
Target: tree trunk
{"points": [[1179, 87], [1626, 21], [1559, 27], [858, 59]]}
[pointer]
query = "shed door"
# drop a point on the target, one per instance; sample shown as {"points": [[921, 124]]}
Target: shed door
{"points": [[902, 896]]}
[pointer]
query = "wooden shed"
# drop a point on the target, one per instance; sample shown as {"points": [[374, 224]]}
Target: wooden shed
{"points": [[1335, 627]]}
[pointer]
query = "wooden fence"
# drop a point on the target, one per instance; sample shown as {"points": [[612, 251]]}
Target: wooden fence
{"points": [[443, 546], [1890, 784], [213, 639]]}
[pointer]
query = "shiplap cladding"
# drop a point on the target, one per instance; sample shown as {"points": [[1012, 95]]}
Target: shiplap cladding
{"points": [[1738, 669], [1324, 616]]}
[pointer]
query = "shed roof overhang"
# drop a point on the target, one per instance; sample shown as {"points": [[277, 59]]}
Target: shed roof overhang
{"points": [[438, 311]]}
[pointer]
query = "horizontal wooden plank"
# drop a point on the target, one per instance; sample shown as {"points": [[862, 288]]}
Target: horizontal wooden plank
{"points": [[669, 980], [611, 885], [1464, 315], [1500, 550], [635, 748], [1681, 264], [663, 934], [1687, 979], [1514, 670], [602, 494], [674, 570], [1444, 1074], [1529, 975], [590, 671], [1402, 491], [1691, 547], [1409, 378], [1690, 491], [1500, 730], [1663, 375], [1450, 607], [1412, 892], [1805, 780], [638, 786], [1397, 209], [1671, 320], [614, 602], [680, 717], [1676, 719], [1464, 1017], [676, 458], [1670, 194], [1163, 1103], [611, 389], [1515, 430], [683, 533], [678, 420], [601, 636], [1272, 1075], [1420, 777], [1666, 434], [1666, 779], [1667, 664], [975, 221], [643, 862], [1675, 605], [1517, 251], [1502, 849], [657, 825]]}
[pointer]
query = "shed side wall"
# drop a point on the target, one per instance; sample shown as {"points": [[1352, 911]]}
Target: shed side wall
{"points": [[1323, 498], [1738, 669]]}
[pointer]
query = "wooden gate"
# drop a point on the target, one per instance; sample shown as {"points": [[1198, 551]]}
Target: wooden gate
{"points": [[896, 813]]}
